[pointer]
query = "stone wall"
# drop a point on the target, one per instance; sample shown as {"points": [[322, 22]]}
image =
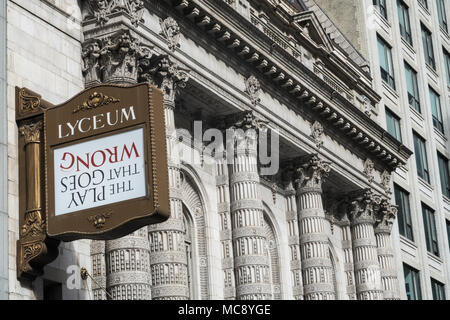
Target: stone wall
{"points": [[43, 51]]}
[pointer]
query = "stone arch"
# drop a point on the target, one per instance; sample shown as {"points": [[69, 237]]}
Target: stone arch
{"points": [[194, 213], [273, 253]]}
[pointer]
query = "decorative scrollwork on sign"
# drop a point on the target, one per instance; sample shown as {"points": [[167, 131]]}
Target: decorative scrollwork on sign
{"points": [[170, 30], [34, 225], [99, 220], [96, 100], [28, 103]]}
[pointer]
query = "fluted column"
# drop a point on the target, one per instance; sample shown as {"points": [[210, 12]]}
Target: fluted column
{"points": [[367, 269], [385, 219], [168, 258], [251, 263], [294, 243], [316, 262], [226, 237]]}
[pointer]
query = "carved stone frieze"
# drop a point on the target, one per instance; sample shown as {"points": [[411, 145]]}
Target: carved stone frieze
{"points": [[102, 10], [170, 30], [317, 134], [253, 89], [368, 170]]}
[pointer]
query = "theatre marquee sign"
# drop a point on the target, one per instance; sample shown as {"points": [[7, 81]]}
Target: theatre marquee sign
{"points": [[94, 167], [106, 163]]}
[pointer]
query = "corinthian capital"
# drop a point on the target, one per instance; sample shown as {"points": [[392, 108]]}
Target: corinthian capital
{"points": [[119, 56], [31, 132], [167, 74], [101, 10], [311, 173], [364, 206], [385, 217], [91, 62]]}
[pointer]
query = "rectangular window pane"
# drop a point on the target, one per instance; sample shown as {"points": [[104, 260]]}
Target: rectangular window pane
{"points": [[436, 110], [403, 17], [412, 283], [442, 14], [386, 65], [404, 213], [444, 175], [447, 66], [412, 87], [421, 157], [428, 47], [429, 223], [438, 290], [381, 5], [448, 231], [393, 125]]}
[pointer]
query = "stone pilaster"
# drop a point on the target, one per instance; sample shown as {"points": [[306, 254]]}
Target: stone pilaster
{"points": [[367, 270], [168, 255], [317, 267], [226, 236], [251, 265], [385, 219], [347, 247], [294, 241]]}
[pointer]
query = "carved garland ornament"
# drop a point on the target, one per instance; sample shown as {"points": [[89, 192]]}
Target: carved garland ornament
{"points": [[101, 9], [317, 134], [253, 89], [368, 170], [170, 30]]}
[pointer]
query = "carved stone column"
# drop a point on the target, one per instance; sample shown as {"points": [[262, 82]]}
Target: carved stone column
{"points": [[113, 58], [294, 240], [168, 255], [98, 269], [367, 270], [348, 260], [226, 235], [385, 219], [316, 262], [251, 265]]}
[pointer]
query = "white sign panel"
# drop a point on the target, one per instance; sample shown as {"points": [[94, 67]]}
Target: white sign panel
{"points": [[100, 172]]}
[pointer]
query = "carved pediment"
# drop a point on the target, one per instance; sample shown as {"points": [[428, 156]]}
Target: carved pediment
{"points": [[311, 29]]}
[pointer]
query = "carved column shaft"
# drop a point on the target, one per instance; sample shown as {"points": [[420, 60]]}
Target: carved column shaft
{"points": [[98, 269], [385, 253], [168, 255], [294, 244], [367, 269], [348, 261], [316, 262], [226, 237], [251, 264]]}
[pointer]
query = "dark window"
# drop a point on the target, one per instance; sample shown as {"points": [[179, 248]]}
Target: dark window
{"points": [[447, 65], [438, 290], [429, 222], [52, 290], [424, 3], [381, 5], [412, 87], [420, 151], [405, 25], [428, 47], [448, 231], [393, 125], [404, 213], [442, 14], [444, 174], [436, 110], [412, 283], [386, 65]]}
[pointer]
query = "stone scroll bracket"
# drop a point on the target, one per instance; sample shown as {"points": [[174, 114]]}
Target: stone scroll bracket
{"points": [[34, 248]]}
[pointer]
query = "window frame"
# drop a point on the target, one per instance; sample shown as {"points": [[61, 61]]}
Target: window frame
{"points": [[403, 17], [382, 7], [416, 289], [413, 97], [428, 50], [447, 65], [442, 15], [421, 157], [436, 110], [430, 227], [388, 76], [444, 174], [396, 123], [437, 289], [405, 225]]}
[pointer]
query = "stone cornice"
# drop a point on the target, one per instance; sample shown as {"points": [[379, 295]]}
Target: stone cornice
{"points": [[226, 25]]}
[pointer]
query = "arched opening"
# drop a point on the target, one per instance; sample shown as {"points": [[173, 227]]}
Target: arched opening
{"points": [[273, 258]]}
